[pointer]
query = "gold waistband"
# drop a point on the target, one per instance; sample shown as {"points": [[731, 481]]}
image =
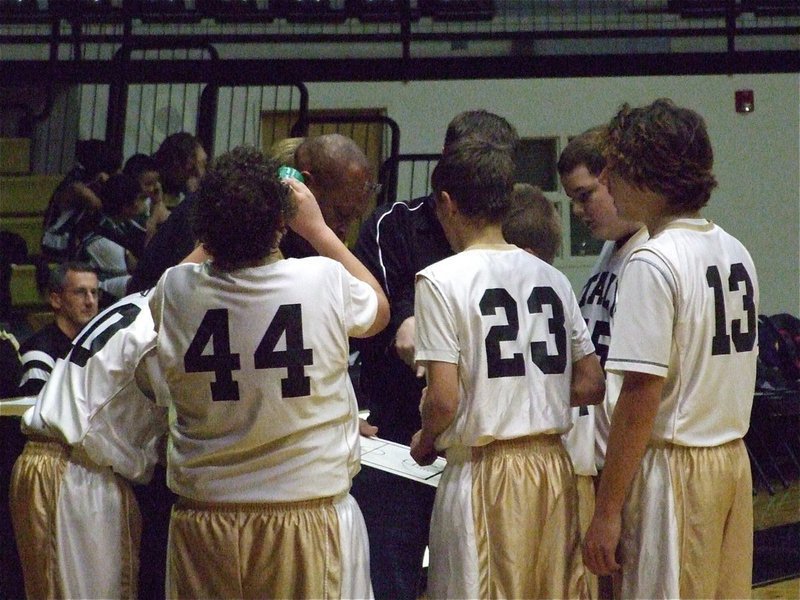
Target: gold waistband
{"points": [[42, 444], [527, 444], [189, 504]]}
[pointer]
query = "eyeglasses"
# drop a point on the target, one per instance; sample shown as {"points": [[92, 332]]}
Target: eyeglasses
{"points": [[84, 292]]}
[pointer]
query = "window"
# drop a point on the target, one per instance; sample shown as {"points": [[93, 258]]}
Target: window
{"points": [[537, 160]]}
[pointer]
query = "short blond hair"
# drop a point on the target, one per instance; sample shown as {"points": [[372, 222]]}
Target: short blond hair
{"points": [[283, 150]]}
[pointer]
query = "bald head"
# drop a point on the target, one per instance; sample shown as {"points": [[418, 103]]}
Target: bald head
{"points": [[325, 156], [337, 172]]}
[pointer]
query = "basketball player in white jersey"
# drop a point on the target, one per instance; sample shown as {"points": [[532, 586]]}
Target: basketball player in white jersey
{"points": [[674, 506], [506, 351], [579, 167], [264, 422], [94, 426]]}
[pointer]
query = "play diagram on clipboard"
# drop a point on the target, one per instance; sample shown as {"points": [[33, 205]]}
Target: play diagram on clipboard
{"points": [[395, 458]]}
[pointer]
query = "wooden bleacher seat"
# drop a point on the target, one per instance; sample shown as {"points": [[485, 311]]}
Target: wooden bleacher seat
{"points": [[39, 318], [26, 194], [15, 156], [23, 200], [24, 294], [29, 228]]}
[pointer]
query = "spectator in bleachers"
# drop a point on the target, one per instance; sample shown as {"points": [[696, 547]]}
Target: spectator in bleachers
{"points": [[114, 244], [181, 162], [144, 170], [72, 290], [75, 199]]}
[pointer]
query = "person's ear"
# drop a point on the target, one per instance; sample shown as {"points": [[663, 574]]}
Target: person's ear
{"points": [[55, 301], [448, 203], [310, 181]]}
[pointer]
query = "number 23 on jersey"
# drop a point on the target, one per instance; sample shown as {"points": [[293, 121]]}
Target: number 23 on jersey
{"points": [[514, 366]]}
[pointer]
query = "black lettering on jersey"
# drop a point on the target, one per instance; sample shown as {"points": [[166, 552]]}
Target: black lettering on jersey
{"points": [[601, 329], [556, 363], [743, 340], [587, 287], [214, 328], [289, 320], [497, 365], [97, 336], [601, 289], [514, 366]]}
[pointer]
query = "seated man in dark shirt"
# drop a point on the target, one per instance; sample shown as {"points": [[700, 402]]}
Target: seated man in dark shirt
{"points": [[72, 291]]}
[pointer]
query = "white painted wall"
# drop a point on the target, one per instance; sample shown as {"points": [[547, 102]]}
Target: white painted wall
{"points": [[757, 156]]}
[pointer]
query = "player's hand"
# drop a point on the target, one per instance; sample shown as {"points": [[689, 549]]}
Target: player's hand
{"points": [[130, 261], [307, 221], [101, 177], [404, 342], [423, 453], [600, 544], [366, 429]]}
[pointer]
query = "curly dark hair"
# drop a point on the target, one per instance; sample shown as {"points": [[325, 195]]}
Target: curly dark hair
{"points": [[241, 206], [478, 175], [664, 148]]}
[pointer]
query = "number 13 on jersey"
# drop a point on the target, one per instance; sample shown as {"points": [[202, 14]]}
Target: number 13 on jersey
{"points": [[222, 362]]}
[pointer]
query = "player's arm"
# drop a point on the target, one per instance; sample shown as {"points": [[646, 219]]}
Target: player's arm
{"points": [[631, 428], [438, 409], [79, 195], [309, 223], [588, 382]]}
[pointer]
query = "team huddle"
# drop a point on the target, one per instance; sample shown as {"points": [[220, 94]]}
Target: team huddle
{"points": [[593, 443]]}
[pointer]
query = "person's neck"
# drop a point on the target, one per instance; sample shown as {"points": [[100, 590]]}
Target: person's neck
{"points": [[658, 224], [272, 257], [68, 328], [482, 235]]}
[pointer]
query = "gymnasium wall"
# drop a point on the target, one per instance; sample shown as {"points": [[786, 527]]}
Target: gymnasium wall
{"points": [[757, 155]]}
